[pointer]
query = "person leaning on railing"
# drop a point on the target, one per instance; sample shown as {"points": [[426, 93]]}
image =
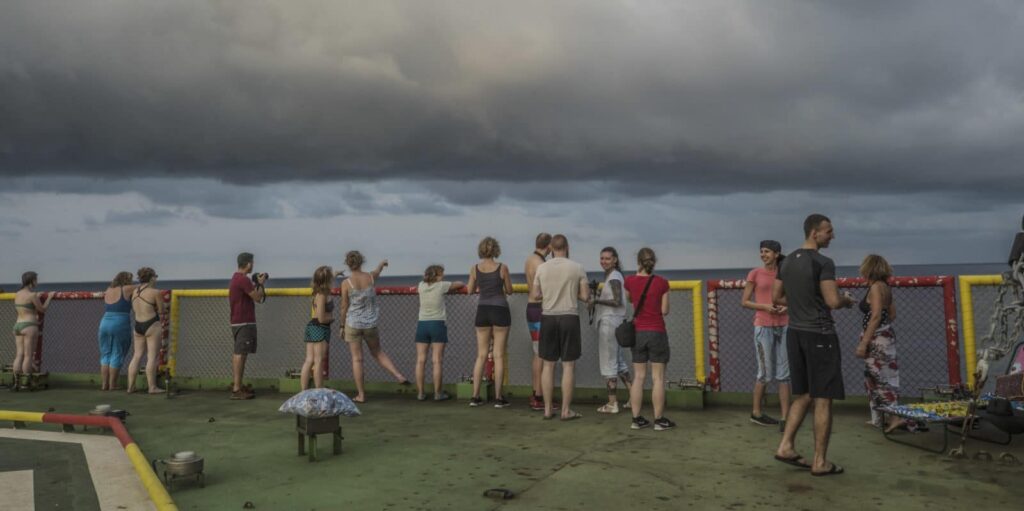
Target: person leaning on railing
{"points": [[115, 335], [28, 307], [361, 313], [148, 305], [318, 330], [431, 329]]}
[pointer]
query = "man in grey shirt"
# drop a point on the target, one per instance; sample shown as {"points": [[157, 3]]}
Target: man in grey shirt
{"points": [[806, 285]]}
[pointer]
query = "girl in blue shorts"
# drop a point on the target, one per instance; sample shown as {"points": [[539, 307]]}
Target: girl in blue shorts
{"points": [[431, 330]]}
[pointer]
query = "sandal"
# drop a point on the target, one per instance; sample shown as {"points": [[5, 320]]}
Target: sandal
{"points": [[572, 416], [835, 470], [796, 460]]}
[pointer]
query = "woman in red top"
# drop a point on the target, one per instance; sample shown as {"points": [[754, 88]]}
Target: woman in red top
{"points": [[651, 339]]}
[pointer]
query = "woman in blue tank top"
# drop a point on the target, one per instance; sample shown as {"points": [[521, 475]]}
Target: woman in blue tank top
{"points": [[115, 334]]}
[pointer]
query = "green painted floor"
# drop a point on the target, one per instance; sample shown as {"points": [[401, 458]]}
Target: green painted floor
{"points": [[403, 454]]}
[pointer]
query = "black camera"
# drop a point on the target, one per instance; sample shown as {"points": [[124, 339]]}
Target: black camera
{"points": [[256, 277], [594, 285]]}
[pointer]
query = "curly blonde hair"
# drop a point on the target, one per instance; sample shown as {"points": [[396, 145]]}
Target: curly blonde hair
{"points": [[488, 248], [354, 260]]}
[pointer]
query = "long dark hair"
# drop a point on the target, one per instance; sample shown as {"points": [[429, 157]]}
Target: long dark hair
{"points": [[29, 279], [615, 254]]}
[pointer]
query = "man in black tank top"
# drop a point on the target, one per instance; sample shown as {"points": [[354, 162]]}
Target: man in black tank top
{"points": [[806, 285]]}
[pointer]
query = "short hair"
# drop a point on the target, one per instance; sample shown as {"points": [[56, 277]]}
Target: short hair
{"points": [[432, 273], [146, 274], [29, 278], [488, 248], [244, 258], [122, 278], [354, 260], [875, 268], [646, 259], [812, 222], [543, 240], [323, 277], [559, 242]]}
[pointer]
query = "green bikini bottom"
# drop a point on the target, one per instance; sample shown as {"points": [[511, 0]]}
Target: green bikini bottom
{"points": [[21, 325]]}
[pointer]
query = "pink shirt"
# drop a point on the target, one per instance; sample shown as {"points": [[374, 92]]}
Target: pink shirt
{"points": [[763, 280]]}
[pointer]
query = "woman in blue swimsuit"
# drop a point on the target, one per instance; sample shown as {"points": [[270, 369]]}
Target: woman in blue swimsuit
{"points": [[115, 334]]}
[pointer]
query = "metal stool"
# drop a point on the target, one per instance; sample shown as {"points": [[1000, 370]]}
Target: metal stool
{"points": [[311, 427]]}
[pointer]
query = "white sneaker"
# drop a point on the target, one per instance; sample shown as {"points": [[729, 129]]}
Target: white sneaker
{"points": [[609, 408]]}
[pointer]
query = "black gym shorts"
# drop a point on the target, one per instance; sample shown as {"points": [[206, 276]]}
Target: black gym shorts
{"points": [[560, 338], [815, 364]]}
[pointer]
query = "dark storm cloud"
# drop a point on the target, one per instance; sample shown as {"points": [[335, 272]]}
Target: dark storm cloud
{"points": [[642, 98]]}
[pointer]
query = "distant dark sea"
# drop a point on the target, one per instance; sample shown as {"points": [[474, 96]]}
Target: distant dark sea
{"points": [[909, 270]]}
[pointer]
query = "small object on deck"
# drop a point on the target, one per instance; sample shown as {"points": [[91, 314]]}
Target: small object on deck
{"points": [[248, 505], [212, 420], [499, 493], [181, 465]]}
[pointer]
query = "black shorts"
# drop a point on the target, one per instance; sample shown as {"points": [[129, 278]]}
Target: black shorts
{"points": [[560, 338], [492, 315], [815, 364], [651, 347], [245, 339]]}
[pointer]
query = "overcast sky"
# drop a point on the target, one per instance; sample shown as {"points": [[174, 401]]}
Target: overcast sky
{"points": [[176, 134]]}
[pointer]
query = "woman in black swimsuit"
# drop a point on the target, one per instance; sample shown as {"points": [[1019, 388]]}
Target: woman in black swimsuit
{"points": [[318, 330], [148, 305]]}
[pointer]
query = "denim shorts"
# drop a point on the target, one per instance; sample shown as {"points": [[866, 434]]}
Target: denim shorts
{"points": [[431, 331], [770, 351]]}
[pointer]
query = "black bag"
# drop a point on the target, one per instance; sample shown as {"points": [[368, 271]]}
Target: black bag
{"points": [[626, 332]]}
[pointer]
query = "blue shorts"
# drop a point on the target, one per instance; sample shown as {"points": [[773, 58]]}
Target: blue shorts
{"points": [[115, 338], [772, 358], [431, 331]]}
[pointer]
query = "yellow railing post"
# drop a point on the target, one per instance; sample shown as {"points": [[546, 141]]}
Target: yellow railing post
{"points": [[967, 313]]}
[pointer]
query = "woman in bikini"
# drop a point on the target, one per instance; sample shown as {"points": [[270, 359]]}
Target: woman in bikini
{"points": [[493, 318], [318, 330], [148, 305], [26, 328], [115, 334], [361, 311]]}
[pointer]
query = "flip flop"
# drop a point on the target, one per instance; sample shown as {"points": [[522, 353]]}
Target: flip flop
{"points": [[549, 417], [794, 461], [574, 416], [835, 470]]}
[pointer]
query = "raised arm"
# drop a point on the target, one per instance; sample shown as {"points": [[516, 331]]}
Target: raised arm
{"points": [[458, 285], [40, 305], [258, 293], [380, 267]]}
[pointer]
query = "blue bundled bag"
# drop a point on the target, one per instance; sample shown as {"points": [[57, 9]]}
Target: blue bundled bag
{"points": [[317, 403]]}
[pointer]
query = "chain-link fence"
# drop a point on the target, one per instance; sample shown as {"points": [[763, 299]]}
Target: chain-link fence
{"points": [[979, 295], [69, 333], [925, 327], [202, 343]]}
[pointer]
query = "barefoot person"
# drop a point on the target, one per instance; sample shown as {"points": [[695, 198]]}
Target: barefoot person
{"points": [[769, 334], [651, 339], [493, 317], [878, 341], [559, 285], [542, 247], [148, 306], [609, 311], [806, 285], [115, 335], [28, 307], [361, 311], [243, 293], [431, 330], [318, 330]]}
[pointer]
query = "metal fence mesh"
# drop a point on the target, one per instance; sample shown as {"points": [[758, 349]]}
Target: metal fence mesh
{"points": [[983, 300], [205, 343], [7, 318], [920, 338]]}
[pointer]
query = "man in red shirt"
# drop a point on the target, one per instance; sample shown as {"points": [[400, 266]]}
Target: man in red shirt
{"points": [[243, 293]]}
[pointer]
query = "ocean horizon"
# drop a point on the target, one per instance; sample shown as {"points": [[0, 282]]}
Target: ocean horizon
{"points": [[910, 270]]}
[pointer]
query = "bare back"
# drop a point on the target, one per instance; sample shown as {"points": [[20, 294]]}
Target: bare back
{"points": [[25, 303], [146, 303], [532, 263]]}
